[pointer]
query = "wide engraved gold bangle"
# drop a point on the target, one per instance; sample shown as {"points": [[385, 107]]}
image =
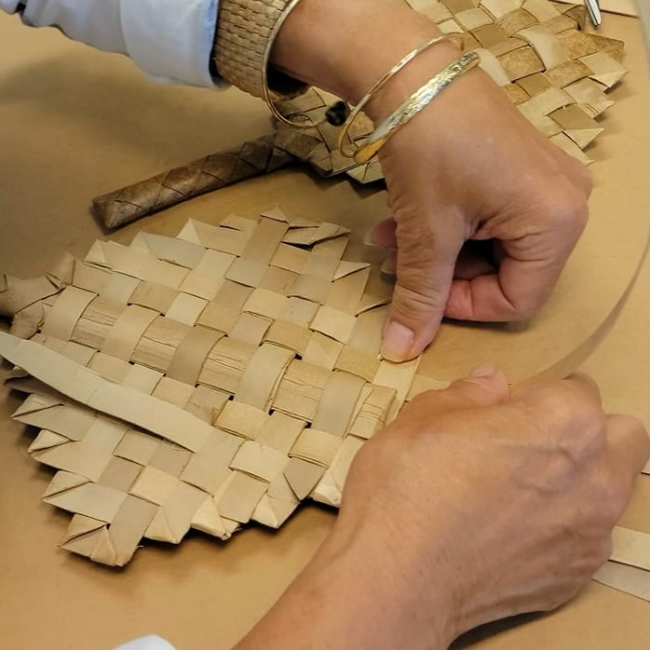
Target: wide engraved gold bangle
{"points": [[414, 105], [349, 152]]}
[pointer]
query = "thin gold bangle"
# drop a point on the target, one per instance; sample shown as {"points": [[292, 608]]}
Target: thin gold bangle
{"points": [[339, 110], [414, 105], [349, 152]]}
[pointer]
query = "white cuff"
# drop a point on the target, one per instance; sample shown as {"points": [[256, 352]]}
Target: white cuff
{"points": [[96, 22], [147, 643], [171, 40]]}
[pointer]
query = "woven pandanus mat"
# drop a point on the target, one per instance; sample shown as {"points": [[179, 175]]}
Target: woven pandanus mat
{"points": [[538, 51], [202, 381]]}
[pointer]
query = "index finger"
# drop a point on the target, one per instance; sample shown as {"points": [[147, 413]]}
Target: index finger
{"points": [[531, 258], [514, 293]]}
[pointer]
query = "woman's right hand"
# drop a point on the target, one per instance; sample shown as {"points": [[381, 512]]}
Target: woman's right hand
{"points": [[475, 504], [492, 503], [468, 167]]}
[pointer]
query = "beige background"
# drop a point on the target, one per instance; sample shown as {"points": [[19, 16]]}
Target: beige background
{"points": [[76, 123], [627, 7]]}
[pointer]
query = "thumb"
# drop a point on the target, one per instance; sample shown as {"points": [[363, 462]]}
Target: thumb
{"points": [[426, 257], [485, 386]]}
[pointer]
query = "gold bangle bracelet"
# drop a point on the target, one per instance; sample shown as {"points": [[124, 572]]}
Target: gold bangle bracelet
{"points": [[337, 112], [414, 105], [349, 152]]}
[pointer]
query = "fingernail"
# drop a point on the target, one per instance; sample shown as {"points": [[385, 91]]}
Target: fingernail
{"points": [[369, 239], [397, 342], [484, 370]]}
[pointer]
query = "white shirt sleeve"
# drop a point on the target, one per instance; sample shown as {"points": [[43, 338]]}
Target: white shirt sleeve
{"points": [[170, 40], [147, 643]]}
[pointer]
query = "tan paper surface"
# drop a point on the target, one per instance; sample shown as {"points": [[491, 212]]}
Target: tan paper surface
{"points": [[67, 136]]}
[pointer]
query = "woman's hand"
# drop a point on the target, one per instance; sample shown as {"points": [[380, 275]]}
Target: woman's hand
{"points": [[471, 167], [505, 502], [473, 505], [468, 168]]}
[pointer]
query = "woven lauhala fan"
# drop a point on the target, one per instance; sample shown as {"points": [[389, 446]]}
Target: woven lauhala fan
{"points": [[201, 382], [557, 74]]}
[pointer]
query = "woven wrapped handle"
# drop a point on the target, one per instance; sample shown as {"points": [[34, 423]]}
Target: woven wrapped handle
{"points": [[213, 172]]}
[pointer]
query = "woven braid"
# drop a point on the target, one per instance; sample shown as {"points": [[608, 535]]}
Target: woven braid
{"points": [[242, 37], [251, 348]]}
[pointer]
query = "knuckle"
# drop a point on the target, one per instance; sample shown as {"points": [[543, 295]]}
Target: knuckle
{"points": [[590, 423], [578, 407], [637, 430], [577, 422], [589, 416], [581, 175], [524, 306], [606, 505], [523, 311], [578, 215], [586, 441], [612, 509], [571, 213], [553, 398], [412, 302]]}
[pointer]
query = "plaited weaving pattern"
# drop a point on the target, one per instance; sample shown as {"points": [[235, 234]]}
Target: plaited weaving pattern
{"points": [[243, 32], [203, 381]]}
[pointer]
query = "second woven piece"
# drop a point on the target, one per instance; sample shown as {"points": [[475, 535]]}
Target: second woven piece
{"points": [[537, 51]]}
